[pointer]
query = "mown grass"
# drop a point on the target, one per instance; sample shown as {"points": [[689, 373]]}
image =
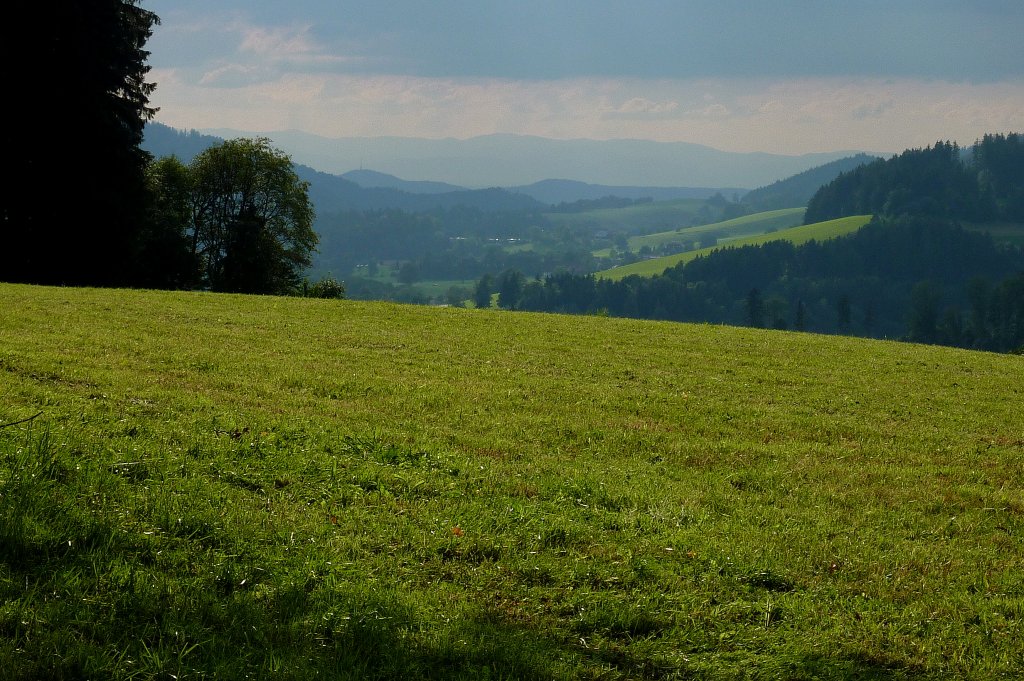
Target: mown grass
{"points": [[251, 487], [746, 225], [797, 235]]}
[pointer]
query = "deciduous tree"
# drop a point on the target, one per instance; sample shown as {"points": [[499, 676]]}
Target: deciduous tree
{"points": [[251, 218]]}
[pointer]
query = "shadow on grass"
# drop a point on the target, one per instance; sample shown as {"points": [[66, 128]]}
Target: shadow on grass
{"points": [[852, 667], [82, 597]]}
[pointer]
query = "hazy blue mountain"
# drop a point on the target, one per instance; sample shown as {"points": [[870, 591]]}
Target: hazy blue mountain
{"points": [[568, 191], [371, 178], [503, 160], [332, 193], [161, 140], [797, 190]]}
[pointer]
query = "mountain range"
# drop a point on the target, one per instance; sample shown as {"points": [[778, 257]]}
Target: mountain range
{"points": [[366, 189], [503, 160]]}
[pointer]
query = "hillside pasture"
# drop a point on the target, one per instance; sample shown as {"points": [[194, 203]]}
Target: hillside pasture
{"points": [[797, 235], [221, 486], [643, 218], [727, 230]]}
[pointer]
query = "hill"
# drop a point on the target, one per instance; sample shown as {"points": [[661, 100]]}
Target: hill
{"points": [[353, 490], [719, 232], [798, 189], [332, 193], [642, 218], [940, 181], [371, 178], [796, 235], [162, 140]]}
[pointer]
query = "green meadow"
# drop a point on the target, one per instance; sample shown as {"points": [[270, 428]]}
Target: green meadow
{"points": [[797, 235], [196, 485], [746, 225], [658, 216]]}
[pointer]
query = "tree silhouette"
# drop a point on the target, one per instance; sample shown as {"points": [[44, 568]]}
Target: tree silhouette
{"points": [[75, 74]]}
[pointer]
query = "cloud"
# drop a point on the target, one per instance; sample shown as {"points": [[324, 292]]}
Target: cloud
{"points": [[781, 116], [875, 110], [638, 108], [278, 42]]}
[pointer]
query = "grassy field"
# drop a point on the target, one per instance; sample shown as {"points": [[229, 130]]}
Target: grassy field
{"points": [[747, 225], [797, 235], [658, 216], [211, 486]]}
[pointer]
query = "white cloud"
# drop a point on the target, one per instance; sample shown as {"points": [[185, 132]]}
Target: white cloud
{"points": [[784, 116], [641, 106]]}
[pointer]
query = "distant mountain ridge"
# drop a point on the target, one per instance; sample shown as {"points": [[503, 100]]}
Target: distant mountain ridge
{"points": [[373, 179], [504, 160], [366, 189], [333, 193], [551, 192]]}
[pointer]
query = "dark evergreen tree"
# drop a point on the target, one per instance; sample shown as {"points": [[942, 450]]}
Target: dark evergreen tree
{"points": [[77, 103], [924, 313], [483, 290], [755, 308], [999, 161], [510, 289], [929, 182], [843, 313], [800, 324]]}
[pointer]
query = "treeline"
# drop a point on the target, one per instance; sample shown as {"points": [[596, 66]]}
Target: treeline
{"points": [[447, 243], [94, 208], [584, 205], [906, 278], [983, 183], [797, 190]]}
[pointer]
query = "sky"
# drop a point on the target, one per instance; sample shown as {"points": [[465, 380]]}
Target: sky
{"points": [[778, 76]]}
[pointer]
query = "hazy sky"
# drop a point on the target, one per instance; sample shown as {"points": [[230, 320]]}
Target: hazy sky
{"points": [[779, 76]]}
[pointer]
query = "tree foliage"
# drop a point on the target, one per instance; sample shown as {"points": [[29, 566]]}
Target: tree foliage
{"points": [[942, 181], [165, 260], [912, 278], [73, 206], [251, 218]]}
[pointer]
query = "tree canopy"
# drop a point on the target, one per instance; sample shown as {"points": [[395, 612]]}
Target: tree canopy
{"points": [[983, 182], [73, 206], [251, 221]]}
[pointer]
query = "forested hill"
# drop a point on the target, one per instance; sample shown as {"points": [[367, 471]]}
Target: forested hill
{"points": [[333, 193], [938, 181], [797, 190], [912, 278]]}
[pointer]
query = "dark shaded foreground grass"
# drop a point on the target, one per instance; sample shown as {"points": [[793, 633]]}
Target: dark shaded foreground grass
{"points": [[233, 487]]}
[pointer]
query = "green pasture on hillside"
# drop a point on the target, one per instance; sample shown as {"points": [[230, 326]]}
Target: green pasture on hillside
{"points": [[818, 231], [657, 216], [215, 486], [746, 225]]}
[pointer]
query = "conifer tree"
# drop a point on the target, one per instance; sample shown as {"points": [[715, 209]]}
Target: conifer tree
{"points": [[76, 199]]}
